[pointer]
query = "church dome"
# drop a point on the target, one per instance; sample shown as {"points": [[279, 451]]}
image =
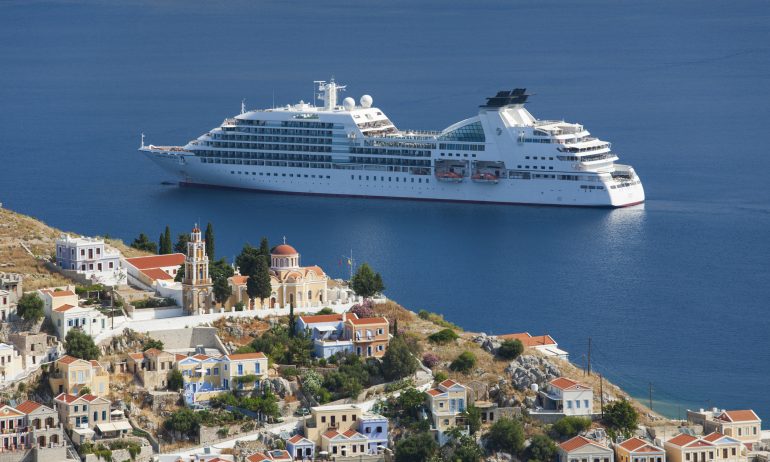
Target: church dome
{"points": [[283, 249]]}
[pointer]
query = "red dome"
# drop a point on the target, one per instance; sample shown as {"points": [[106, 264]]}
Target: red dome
{"points": [[284, 249]]}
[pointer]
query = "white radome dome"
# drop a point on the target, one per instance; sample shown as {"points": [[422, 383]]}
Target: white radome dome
{"points": [[349, 103], [366, 101]]}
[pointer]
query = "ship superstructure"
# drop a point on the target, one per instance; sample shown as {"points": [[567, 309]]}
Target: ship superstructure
{"points": [[501, 155]]}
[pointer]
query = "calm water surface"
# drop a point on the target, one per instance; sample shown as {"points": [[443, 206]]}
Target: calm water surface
{"points": [[674, 293]]}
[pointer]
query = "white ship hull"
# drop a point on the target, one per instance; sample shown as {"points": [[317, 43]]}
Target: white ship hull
{"points": [[502, 155], [189, 171]]}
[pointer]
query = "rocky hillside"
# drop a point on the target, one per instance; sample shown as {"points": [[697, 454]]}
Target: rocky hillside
{"points": [[25, 241]]}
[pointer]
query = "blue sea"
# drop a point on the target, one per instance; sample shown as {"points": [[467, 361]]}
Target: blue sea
{"points": [[673, 294]]}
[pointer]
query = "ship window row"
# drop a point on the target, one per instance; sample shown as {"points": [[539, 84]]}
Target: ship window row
{"points": [[272, 131], [272, 139], [268, 163], [273, 147], [539, 140], [399, 144], [585, 186], [388, 161], [461, 147], [390, 179], [298, 124], [592, 148], [290, 175], [458, 155], [542, 167], [535, 158], [390, 152], [262, 156], [625, 185]]}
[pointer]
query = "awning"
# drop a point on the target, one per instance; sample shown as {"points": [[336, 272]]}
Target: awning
{"points": [[117, 426], [325, 328]]}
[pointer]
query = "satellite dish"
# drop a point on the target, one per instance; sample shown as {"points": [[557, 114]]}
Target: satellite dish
{"points": [[366, 101], [349, 103]]}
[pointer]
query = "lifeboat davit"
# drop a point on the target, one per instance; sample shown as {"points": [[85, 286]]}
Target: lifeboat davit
{"points": [[485, 178], [449, 177]]}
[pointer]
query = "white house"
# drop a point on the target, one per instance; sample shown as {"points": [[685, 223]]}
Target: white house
{"points": [[10, 363], [91, 258], [89, 320], [143, 272], [54, 298], [581, 449], [568, 397]]}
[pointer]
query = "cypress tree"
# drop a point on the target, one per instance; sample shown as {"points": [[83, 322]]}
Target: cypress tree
{"points": [[264, 248], [395, 327], [160, 245], [292, 320], [210, 241], [166, 246], [181, 243], [260, 281]]}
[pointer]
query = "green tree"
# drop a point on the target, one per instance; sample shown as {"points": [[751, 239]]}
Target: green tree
{"points": [[443, 336], [80, 345], [463, 363], [222, 290], [570, 426], [506, 435], [264, 248], [414, 448], [84, 391], [326, 310], [464, 448], [30, 307], [540, 449], [209, 237], [179, 273], [220, 271], [145, 244], [258, 285], [183, 421], [473, 416], [152, 343], [621, 417], [510, 349], [398, 361], [175, 380], [181, 243], [292, 321], [366, 282], [165, 245], [246, 261], [395, 327], [409, 403]]}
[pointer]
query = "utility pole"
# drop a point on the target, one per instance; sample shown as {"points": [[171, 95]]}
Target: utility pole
{"points": [[601, 394], [650, 395], [589, 355]]}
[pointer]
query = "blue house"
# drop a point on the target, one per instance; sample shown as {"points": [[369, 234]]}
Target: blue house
{"points": [[300, 448], [327, 333], [375, 428]]}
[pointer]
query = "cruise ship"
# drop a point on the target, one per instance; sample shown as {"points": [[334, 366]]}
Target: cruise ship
{"points": [[501, 155]]}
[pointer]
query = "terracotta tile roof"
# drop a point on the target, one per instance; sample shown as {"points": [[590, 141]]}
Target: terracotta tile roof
{"points": [[60, 293], [239, 356], [578, 442], [434, 392], [179, 357], [350, 433], [528, 340], [321, 318], [156, 274], [64, 308], [89, 398], [239, 280], [256, 457], [711, 437], [95, 363], [66, 359], [156, 261], [331, 433], [563, 383], [283, 249], [201, 357], [745, 415], [296, 439], [639, 445], [66, 397], [449, 383], [362, 321], [136, 355], [682, 439], [152, 352], [28, 406]]}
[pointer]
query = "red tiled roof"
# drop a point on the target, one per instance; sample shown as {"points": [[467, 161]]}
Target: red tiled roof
{"points": [[434, 392], [157, 274], [257, 457], [239, 280], [448, 383], [136, 355], [682, 439], [201, 357], [350, 433], [331, 433], [745, 415], [639, 445], [528, 340], [321, 318], [152, 352], [89, 398], [156, 261], [563, 383], [61, 293], [64, 308], [66, 359], [577, 443], [239, 356], [66, 397], [28, 406], [179, 357], [296, 439], [361, 321]]}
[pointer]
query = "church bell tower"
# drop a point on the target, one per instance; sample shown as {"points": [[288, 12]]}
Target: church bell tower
{"points": [[196, 285]]}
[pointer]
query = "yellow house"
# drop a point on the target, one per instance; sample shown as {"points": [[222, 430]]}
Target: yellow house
{"points": [[151, 367], [206, 376], [340, 417], [743, 425], [447, 403], [638, 450], [70, 375], [714, 447]]}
